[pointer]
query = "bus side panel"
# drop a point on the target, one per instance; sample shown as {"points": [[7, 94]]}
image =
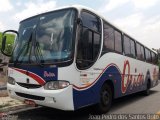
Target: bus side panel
{"points": [[128, 76], [154, 76], [90, 95]]}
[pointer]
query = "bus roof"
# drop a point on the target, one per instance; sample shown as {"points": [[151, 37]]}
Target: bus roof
{"points": [[81, 7]]}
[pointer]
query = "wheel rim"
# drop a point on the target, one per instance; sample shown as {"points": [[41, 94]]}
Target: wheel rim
{"points": [[105, 97]]}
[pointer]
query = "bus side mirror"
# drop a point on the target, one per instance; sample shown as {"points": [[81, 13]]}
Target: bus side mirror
{"points": [[8, 38]]}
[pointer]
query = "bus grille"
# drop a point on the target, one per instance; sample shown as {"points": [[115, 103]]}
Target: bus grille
{"points": [[29, 86], [30, 96]]}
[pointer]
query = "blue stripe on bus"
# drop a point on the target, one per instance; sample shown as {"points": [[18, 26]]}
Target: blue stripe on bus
{"points": [[91, 95]]}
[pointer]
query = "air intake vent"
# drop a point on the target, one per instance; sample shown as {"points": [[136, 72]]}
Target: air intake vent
{"points": [[30, 96], [29, 86]]}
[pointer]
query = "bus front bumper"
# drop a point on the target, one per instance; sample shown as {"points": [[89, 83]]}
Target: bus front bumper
{"points": [[60, 99]]}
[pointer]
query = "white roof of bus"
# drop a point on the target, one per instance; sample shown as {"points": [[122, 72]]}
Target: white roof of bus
{"points": [[81, 7]]}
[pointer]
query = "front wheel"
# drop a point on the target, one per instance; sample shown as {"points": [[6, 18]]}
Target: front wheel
{"points": [[105, 99]]}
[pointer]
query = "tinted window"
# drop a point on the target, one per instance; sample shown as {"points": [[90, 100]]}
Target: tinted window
{"points": [[133, 51], [85, 45], [91, 21], [89, 43], [140, 52], [154, 58], [127, 46], [108, 37], [54, 43], [96, 44], [118, 42], [148, 55]]}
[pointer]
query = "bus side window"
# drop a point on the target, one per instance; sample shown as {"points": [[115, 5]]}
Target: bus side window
{"points": [[157, 59], [148, 55], [118, 42], [133, 50], [154, 58], [140, 52], [108, 38], [89, 43], [127, 46]]}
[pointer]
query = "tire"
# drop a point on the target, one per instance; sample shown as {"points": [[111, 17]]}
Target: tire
{"points": [[147, 91], [106, 97]]}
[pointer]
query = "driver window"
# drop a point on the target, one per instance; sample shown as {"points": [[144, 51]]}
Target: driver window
{"points": [[90, 40]]}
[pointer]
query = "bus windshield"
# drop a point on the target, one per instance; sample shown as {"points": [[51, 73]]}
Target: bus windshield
{"points": [[48, 37]]}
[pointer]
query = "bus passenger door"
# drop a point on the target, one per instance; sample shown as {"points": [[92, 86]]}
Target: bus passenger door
{"points": [[88, 50]]}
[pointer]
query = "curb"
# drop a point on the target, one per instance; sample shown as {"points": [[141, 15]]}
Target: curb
{"points": [[13, 108], [22, 110]]}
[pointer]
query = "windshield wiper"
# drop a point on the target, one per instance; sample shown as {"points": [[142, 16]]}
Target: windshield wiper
{"points": [[27, 44], [38, 54]]}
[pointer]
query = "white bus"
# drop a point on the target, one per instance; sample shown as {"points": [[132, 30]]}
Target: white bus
{"points": [[72, 57]]}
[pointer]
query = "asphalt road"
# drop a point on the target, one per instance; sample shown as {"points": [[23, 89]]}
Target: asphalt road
{"points": [[132, 104]]}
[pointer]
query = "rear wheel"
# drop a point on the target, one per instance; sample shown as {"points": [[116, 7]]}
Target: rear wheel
{"points": [[147, 91], [105, 99]]}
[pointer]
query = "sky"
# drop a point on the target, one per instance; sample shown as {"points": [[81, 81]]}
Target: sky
{"points": [[138, 18]]}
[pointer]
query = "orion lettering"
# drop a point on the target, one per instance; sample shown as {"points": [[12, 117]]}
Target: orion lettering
{"points": [[128, 79], [48, 74]]}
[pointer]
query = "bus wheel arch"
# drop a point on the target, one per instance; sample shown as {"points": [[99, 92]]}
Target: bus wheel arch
{"points": [[106, 97]]}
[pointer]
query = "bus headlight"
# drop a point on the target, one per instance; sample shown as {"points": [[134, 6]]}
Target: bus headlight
{"points": [[11, 81], [55, 85]]}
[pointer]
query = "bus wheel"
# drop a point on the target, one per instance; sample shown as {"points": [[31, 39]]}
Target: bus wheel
{"points": [[105, 99], [147, 91]]}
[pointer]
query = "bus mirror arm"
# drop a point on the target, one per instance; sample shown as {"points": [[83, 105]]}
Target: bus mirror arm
{"points": [[79, 22], [1, 60], [3, 43], [3, 64]]}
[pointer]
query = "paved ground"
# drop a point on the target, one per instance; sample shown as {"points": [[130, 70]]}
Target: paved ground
{"points": [[133, 104], [7, 104], [3, 81]]}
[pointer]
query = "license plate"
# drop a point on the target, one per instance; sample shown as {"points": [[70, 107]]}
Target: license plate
{"points": [[30, 102]]}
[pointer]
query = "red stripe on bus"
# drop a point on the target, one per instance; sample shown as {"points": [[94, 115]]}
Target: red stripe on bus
{"points": [[32, 75], [112, 64]]}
